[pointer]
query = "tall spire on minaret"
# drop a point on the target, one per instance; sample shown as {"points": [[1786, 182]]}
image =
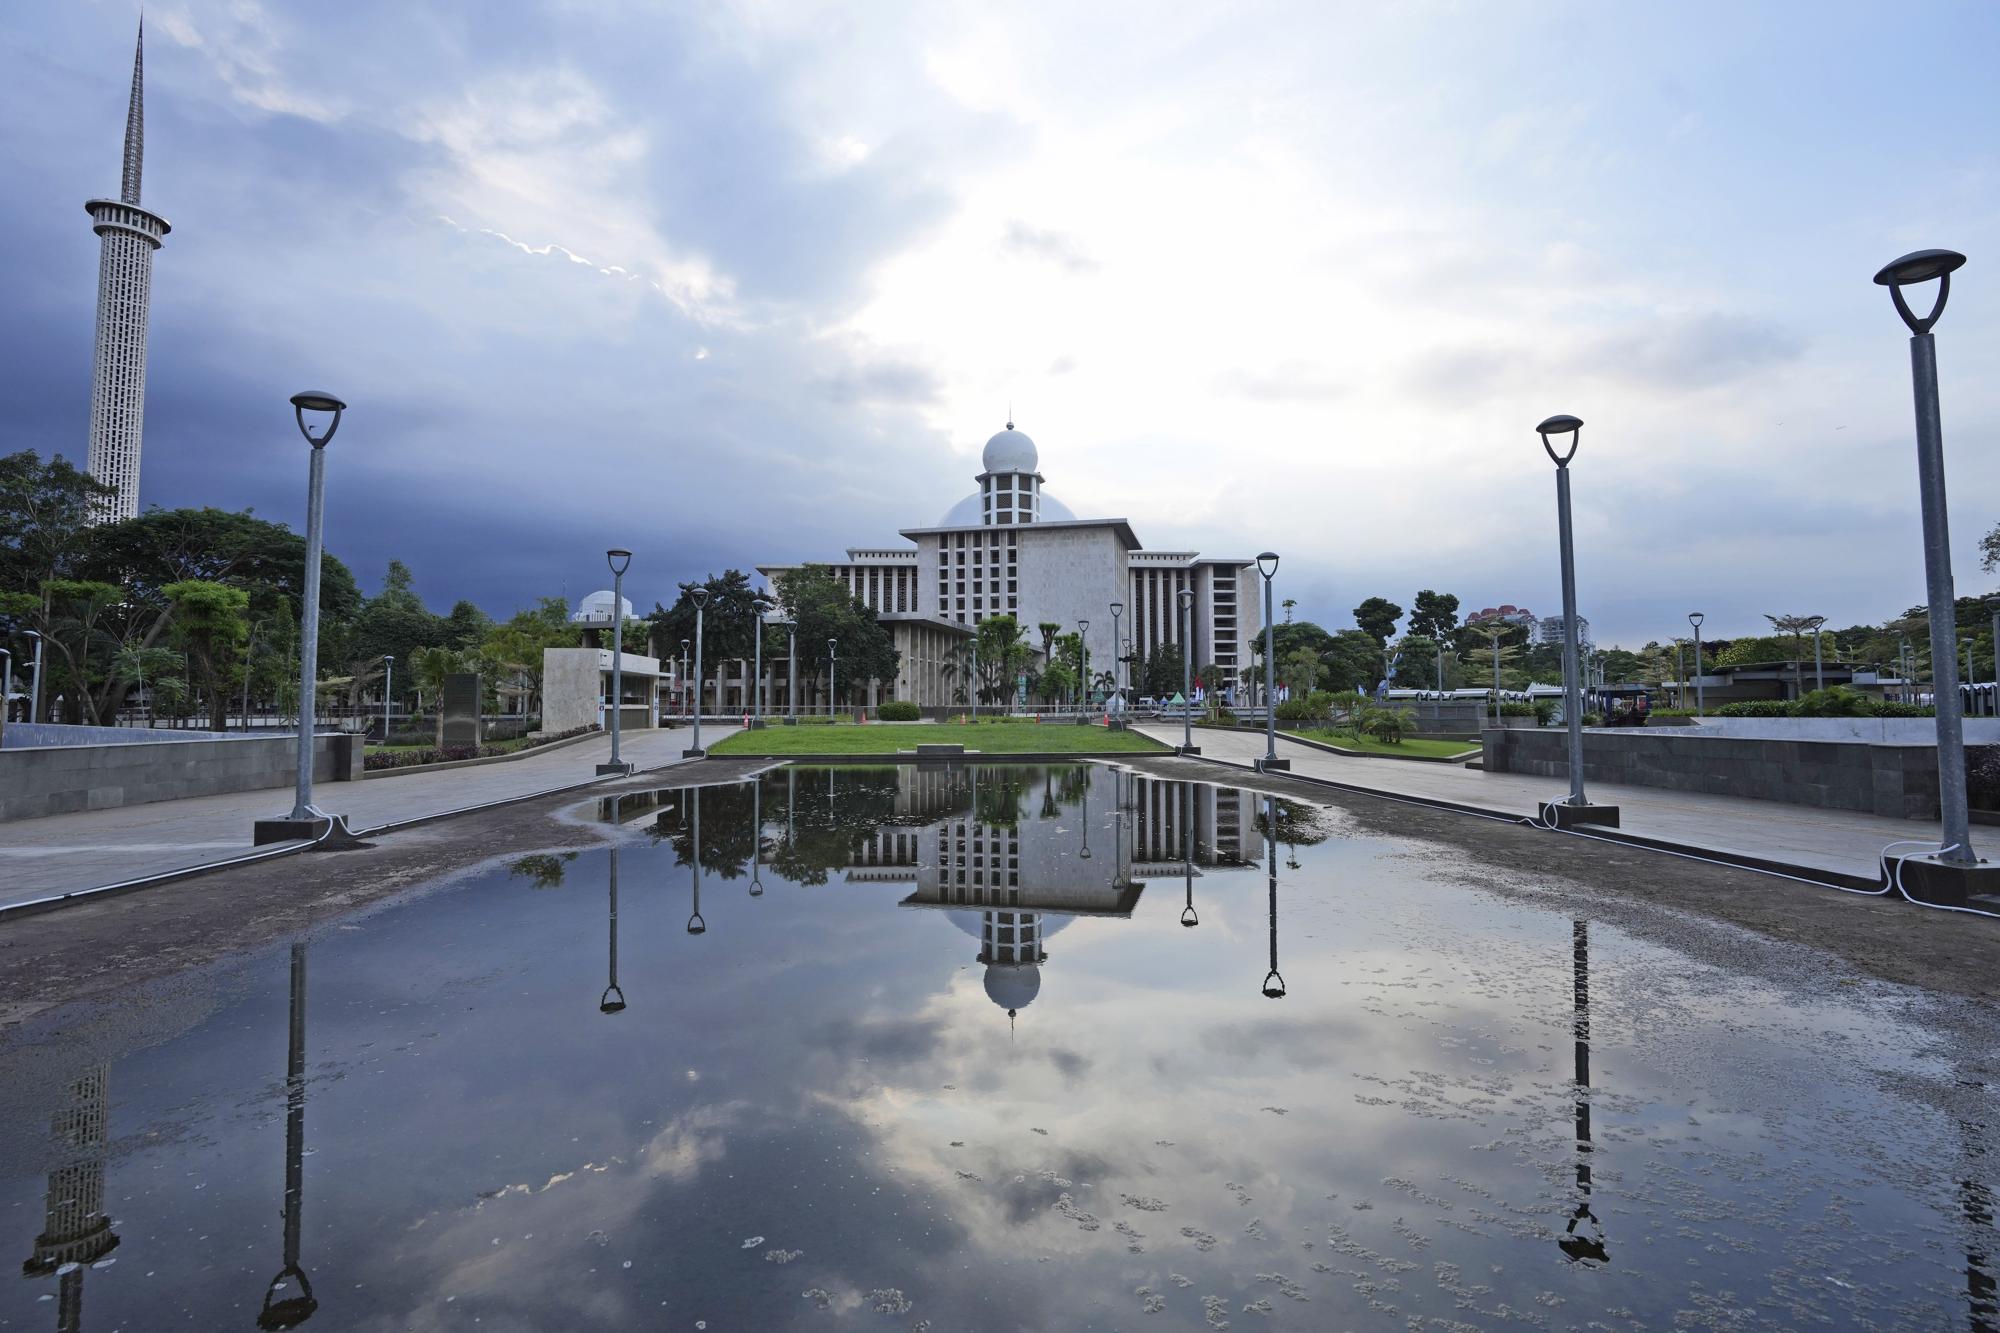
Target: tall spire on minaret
{"points": [[135, 122], [128, 235]]}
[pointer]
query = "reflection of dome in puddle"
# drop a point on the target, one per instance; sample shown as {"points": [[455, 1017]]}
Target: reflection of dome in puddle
{"points": [[1010, 944]]}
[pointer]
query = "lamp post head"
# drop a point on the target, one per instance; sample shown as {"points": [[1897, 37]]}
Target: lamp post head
{"points": [[316, 400], [696, 925], [1695, 618], [1189, 917], [389, 659], [1186, 598], [1274, 985], [1267, 565], [1920, 266], [612, 1001], [1117, 609], [1083, 627], [620, 561], [697, 593], [833, 647], [1561, 425]]}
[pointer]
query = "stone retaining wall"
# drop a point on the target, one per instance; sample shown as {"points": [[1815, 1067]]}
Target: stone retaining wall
{"points": [[58, 780], [1899, 781]]}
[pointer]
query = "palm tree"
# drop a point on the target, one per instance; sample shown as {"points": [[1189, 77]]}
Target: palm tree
{"points": [[429, 667]]}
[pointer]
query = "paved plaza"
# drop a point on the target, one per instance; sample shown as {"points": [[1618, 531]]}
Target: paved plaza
{"points": [[1835, 840], [64, 853]]}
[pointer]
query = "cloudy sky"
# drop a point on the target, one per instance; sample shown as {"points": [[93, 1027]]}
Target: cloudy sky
{"points": [[753, 281]]}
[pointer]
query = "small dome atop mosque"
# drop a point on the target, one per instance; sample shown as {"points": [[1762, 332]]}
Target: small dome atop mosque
{"points": [[1010, 451], [1013, 986], [596, 608]]}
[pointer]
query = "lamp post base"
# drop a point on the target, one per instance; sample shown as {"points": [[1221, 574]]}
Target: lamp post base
{"points": [[791, 722], [1561, 814], [621, 767], [1274, 765], [1187, 749], [758, 724], [694, 754], [1943, 883], [329, 833]]}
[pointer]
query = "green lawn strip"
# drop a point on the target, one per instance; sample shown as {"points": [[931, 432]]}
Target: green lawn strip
{"points": [[504, 747], [1413, 745], [888, 737]]}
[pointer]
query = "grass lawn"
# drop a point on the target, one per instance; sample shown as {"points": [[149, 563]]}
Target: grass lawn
{"points": [[888, 737], [505, 747], [1414, 745]]}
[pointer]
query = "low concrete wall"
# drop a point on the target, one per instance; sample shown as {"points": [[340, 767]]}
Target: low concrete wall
{"points": [[61, 779], [23, 735], [1876, 730], [1899, 781]]}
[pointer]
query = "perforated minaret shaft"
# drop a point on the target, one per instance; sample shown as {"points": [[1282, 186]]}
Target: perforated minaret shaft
{"points": [[128, 235]]}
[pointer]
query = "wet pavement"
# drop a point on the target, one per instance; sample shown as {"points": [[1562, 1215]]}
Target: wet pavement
{"points": [[999, 1047]]}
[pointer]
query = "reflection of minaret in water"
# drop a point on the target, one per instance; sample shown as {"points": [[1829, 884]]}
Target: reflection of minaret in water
{"points": [[289, 1311], [612, 1001], [695, 924], [75, 1231], [1274, 985], [1585, 1247]]}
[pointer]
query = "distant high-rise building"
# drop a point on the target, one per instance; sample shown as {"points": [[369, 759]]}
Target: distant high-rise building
{"points": [[128, 235], [1551, 631]]}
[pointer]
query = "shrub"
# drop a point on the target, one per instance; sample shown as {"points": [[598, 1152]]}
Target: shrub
{"points": [[1593, 719], [1836, 702], [1672, 712], [1545, 711], [1312, 706], [1518, 708], [1755, 708], [1898, 708], [1389, 725], [815, 720], [444, 754], [899, 710]]}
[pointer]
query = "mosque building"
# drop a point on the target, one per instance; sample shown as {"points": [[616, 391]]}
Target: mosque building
{"points": [[1013, 548]]}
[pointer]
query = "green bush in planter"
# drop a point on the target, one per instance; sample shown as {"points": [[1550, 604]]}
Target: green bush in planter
{"points": [[899, 710]]}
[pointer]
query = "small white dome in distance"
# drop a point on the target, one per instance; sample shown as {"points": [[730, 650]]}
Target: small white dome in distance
{"points": [[1010, 451], [596, 608]]}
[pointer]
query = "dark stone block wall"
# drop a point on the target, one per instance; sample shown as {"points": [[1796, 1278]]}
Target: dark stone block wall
{"points": [[1899, 781], [64, 779]]}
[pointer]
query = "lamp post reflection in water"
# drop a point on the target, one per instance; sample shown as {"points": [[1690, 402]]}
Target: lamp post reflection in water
{"points": [[695, 925], [1586, 1247], [1188, 915], [75, 1231], [756, 838], [613, 999], [1274, 984], [1976, 1202], [284, 1308]]}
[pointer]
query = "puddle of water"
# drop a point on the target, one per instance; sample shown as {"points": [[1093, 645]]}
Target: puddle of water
{"points": [[997, 1048]]}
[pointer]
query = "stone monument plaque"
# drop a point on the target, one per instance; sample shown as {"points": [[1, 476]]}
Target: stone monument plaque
{"points": [[460, 709]]}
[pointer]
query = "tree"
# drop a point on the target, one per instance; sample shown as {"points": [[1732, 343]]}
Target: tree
{"points": [[1002, 655], [1434, 614], [1989, 549], [515, 646], [1288, 604], [466, 626], [211, 625], [44, 518], [72, 622], [1352, 661], [1299, 670], [1377, 618], [728, 622], [1417, 663], [394, 622], [824, 609], [1164, 671]]}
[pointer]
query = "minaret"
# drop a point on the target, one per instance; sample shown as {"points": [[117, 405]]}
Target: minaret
{"points": [[128, 236]]}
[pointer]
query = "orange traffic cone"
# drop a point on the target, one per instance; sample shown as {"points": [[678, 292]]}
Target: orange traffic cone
{"points": [[864, 717]]}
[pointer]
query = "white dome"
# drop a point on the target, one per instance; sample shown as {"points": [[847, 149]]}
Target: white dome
{"points": [[1009, 451], [1055, 511], [967, 513], [1013, 986], [596, 608]]}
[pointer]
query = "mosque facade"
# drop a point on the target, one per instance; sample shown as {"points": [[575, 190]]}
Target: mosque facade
{"points": [[1013, 548]]}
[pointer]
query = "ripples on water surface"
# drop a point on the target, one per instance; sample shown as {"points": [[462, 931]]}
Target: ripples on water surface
{"points": [[996, 1048]]}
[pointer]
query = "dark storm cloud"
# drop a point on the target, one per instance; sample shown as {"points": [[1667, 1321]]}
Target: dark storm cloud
{"points": [[513, 413]]}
